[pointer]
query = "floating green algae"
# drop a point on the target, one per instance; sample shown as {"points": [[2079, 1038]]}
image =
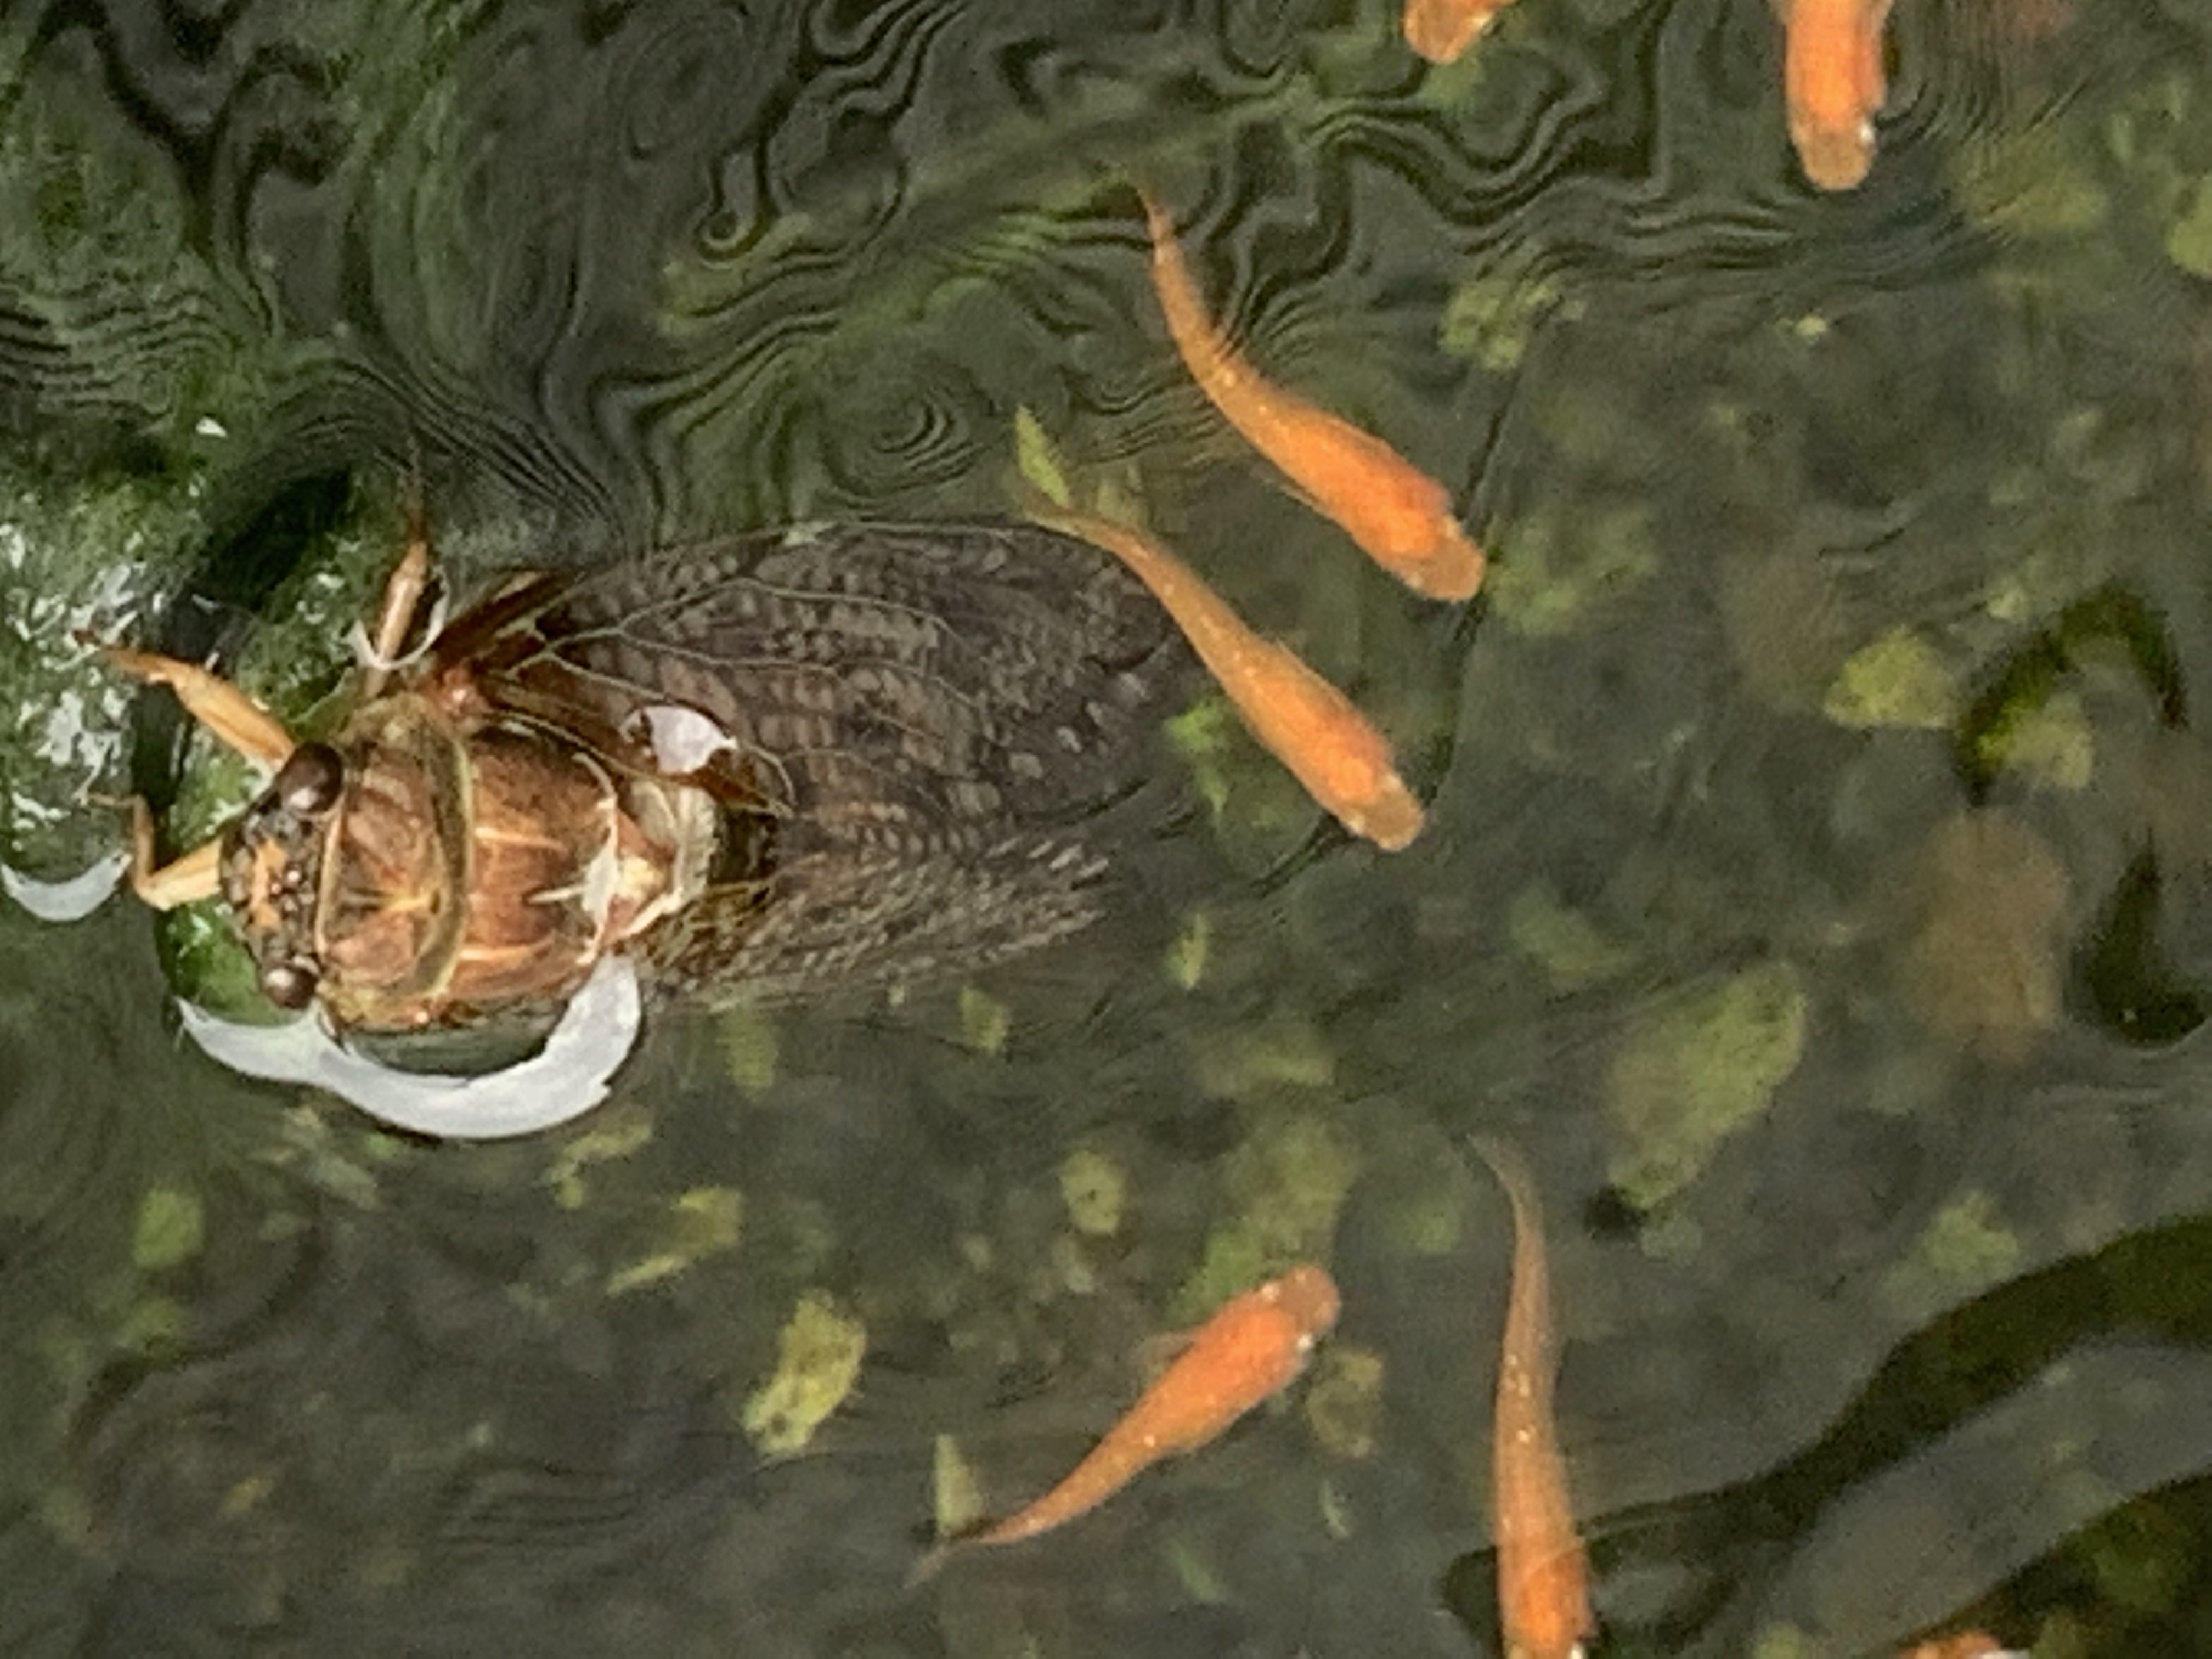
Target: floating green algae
{"points": [[1783, 1642], [1256, 807], [171, 1228], [1424, 1211], [1204, 734], [617, 1131], [2144, 1560], [1196, 1574], [1285, 1185], [1188, 955], [703, 1222], [1964, 1249], [1344, 1401], [2050, 745], [2026, 185], [1245, 1063], [151, 1325], [1562, 941], [818, 1361], [2189, 240], [1689, 1074], [985, 1022], [1555, 567], [1094, 1188], [749, 1049], [306, 1144], [1900, 680], [1491, 318]]}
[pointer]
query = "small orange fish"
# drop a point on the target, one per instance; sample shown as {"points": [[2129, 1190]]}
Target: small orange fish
{"points": [[1968, 1645], [1306, 722], [1400, 516], [1832, 82], [1253, 1347], [1543, 1574], [1440, 30]]}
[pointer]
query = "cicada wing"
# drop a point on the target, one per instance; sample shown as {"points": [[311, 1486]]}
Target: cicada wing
{"points": [[830, 922], [939, 719]]}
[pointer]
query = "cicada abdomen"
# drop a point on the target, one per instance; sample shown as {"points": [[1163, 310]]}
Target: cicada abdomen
{"points": [[767, 767]]}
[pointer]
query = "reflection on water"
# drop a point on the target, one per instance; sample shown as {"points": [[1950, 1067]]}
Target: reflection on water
{"points": [[1815, 888]]}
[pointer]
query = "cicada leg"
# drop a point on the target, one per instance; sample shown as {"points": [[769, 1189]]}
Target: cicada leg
{"points": [[403, 596], [197, 875], [234, 717]]}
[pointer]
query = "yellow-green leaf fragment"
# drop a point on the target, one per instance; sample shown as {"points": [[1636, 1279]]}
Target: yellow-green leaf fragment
{"points": [[1038, 460], [749, 1047], [703, 1222], [2189, 243], [1187, 956], [1093, 1188], [1247, 1064], [818, 1361], [1203, 735], [957, 1497], [985, 1022], [618, 1131], [171, 1227], [1964, 1248], [1900, 680]]}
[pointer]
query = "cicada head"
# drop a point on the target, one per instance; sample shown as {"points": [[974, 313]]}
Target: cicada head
{"points": [[349, 874], [273, 856]]}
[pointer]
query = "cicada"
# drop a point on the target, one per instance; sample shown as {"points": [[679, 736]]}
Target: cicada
{"points": [[761, 767]]}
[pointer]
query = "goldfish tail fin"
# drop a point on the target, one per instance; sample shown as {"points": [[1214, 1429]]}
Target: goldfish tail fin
{"points": [[932, 1563], [980, 1531], [1507, 1164]]}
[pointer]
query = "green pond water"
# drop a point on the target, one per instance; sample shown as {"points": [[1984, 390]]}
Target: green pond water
{"points": [[1817, 886]]}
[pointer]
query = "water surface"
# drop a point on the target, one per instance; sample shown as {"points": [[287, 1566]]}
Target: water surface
{"points": [[1816, 885]]}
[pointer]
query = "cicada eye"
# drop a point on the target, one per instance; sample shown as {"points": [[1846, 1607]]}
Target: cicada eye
{"points": [[289, 984], [308, 782]]}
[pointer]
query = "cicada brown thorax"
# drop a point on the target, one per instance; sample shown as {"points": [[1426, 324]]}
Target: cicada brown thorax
{"points": [[453, 865], [392, 907], [545, 834]]}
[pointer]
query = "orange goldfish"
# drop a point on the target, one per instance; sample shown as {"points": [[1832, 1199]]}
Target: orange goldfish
{"points": [[1440, 30], [1400, 516], [1306, 722], [1831, 78], [1253, 1347], [1968, 1645], [1543, 1575]]}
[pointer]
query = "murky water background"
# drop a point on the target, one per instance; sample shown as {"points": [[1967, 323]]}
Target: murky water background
{"points": [[1818, 885]]}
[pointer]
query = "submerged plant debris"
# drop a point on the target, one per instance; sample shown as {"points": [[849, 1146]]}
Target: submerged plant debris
{"points": [[1689, 1075], [817, 1364]]}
